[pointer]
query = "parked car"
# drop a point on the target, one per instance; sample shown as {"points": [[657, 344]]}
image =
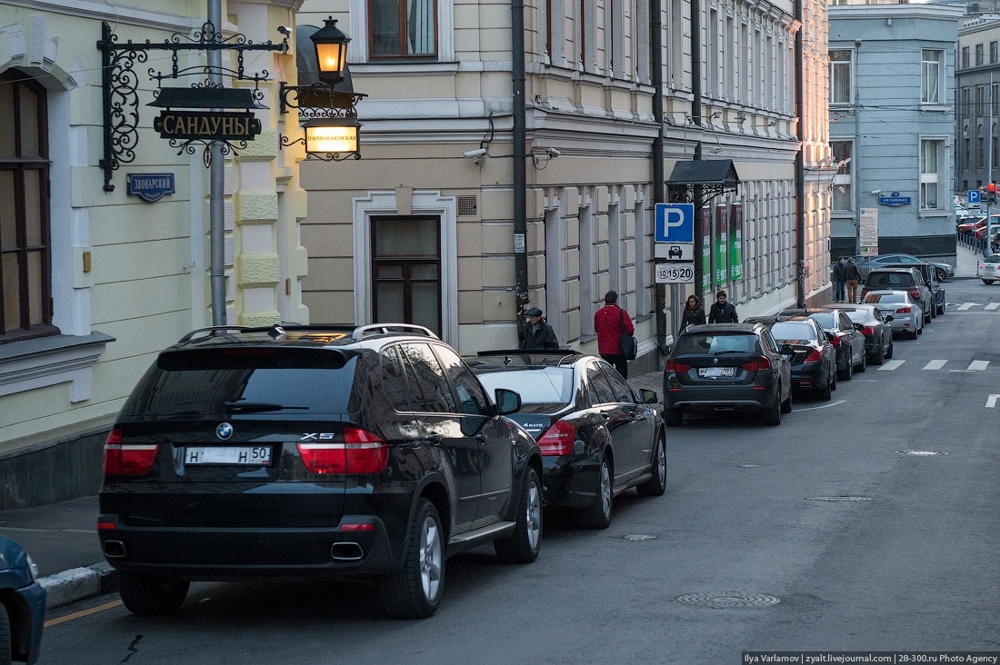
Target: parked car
{"points": [[597, 437], [988, 269], [875, 326], [22, 605], [943, 270], [909, 279], [930, 275], [312, 451], [813, 359], [907, 317], [848, 340], [725, 367]]}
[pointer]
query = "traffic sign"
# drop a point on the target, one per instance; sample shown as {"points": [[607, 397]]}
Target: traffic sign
{"points": [[679, 251], [674, 222], [973, 198], [675, 273]]}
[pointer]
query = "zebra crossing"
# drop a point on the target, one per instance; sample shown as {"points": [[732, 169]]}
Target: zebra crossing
{"points": [[934, 365], [973, 306]]}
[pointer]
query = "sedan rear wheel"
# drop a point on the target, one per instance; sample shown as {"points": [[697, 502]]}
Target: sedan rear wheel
{"points": [[863, 365], [151, 594], [823, 394], [847, 373], [598, 516], [522, 546], [987, 281], [657, 485], [879, 354], [888, 353]]}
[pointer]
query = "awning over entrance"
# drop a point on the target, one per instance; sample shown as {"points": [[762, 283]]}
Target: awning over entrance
{"points": [[711, 176]]}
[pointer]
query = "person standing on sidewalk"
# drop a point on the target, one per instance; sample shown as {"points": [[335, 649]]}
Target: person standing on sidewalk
{"points": [[839, 281], [610, 322], [722, 311], [537, 333], [694, 313], [853, 276]]}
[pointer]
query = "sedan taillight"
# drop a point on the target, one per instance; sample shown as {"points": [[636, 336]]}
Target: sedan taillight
{"points": [[903, 310], [127, 459], [915, 294], [558, 439], [868, 331], [814, 356], [360, 452]]}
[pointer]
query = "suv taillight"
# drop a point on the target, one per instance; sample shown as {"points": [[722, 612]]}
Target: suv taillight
{"points": [[127, 459], [558, 439], [761, 364], [673, 366], [358, 452]]}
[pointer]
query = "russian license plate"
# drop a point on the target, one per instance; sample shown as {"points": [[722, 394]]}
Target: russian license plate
{"points": [[246, 455], [716, 372]]}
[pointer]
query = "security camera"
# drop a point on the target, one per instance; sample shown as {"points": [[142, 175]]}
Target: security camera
{"points": [[285, 30], [876, 191], [475, 154], [552, 152]]}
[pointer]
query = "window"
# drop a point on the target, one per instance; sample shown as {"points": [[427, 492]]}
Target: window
{"points": [[932, 153], [25, 258], [843, 182], [965, 57], [931, 72], [402, 28], [840, 77], [993, 53], [406, 269], [979, 55]]}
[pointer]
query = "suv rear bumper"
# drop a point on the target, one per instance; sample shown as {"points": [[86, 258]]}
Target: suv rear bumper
{"points": [[709, 398], [203, 553]]}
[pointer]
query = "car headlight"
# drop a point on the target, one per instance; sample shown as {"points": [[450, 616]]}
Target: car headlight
{"points": [[32, 567]]}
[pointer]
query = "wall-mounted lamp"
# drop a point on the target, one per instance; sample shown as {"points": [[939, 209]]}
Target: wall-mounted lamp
{"points": [[330, 139]]}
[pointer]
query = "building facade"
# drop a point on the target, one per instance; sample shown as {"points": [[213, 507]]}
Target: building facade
{"points": [[977, 104], [892, 124], [95, 279]]}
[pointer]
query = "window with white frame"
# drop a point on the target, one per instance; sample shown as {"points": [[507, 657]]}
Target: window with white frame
{"points": [[402, 29], [932, 71], [840, 77], [932, 172], [843, 181]]}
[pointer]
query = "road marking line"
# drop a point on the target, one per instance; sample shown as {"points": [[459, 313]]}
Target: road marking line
{"points": [[890, 365], [966, 306], [992, 306], [978, 365], [935, 364], [83, 613], [825, 406], [991, 401]]}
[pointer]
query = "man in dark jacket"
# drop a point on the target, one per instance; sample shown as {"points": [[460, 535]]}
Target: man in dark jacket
{"points": [[839, 281], [722, 311], [537, 334], [853, 276]]}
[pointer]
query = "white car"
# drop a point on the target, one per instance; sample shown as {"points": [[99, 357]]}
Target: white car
{"points": [[988, 269], [907, 317]]}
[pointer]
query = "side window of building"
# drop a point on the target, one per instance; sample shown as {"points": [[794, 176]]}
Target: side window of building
{"points": [[429, 390], [400, 29], [393, 381], [599, 383], [471, 396]]}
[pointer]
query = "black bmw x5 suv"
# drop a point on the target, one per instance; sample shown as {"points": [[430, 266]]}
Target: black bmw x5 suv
{"points": [[313, 452]]}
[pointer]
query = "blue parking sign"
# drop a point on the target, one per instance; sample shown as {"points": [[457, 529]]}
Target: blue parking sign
{"points": [[674, 222], [973, 196]]}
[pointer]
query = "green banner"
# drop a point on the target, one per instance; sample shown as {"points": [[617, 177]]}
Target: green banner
{"points": [[736, 243], [706, 250], [721, 246]]}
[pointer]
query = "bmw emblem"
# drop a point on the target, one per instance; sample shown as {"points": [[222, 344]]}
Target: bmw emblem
{"points": [[224, 431]]}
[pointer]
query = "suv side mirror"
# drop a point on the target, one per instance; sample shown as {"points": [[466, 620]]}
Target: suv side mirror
{"points": [[507, 401]]}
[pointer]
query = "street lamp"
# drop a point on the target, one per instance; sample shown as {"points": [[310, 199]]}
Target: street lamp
{"points": [[331, 51]]}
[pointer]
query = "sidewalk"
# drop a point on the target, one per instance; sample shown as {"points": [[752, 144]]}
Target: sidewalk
{"points": [[62, 537]]}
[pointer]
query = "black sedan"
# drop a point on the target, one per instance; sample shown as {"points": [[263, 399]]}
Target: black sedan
{"points": [[875, 326], [850, 343], [22, 605], [725, 367], [814, 360], [597, 437]]}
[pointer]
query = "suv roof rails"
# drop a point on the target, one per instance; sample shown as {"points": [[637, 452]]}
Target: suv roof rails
{"points": [[356, 333], [373, 329], [212, 331]]}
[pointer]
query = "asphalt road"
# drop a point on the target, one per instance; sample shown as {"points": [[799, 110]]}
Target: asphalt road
{"points": [[867, 523]]}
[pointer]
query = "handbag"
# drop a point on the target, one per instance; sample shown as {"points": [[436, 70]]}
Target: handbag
{"points": [[626, 342]]}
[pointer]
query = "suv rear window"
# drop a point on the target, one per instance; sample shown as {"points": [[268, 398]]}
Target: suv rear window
{"points": [[889, 280], [248, 382], [716, 343]]}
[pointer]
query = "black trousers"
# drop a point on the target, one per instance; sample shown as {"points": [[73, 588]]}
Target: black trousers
{"points": [[618, 360]]}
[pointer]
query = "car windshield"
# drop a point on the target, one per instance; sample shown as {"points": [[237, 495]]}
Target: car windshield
{"points": [[536, 385], [793, 331], [826, 319], [856, 315], [715, 343], [885, 297]]}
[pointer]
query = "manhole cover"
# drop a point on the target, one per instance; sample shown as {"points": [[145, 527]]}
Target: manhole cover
{"points": [[728, 600], [921, 453], [838, 498], [636, 537]]}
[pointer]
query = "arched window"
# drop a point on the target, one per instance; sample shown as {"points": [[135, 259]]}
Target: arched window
{"points": [[25, 260]]}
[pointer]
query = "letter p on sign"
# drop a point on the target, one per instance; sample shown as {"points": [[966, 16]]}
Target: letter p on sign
{"points": [[674, 222]]}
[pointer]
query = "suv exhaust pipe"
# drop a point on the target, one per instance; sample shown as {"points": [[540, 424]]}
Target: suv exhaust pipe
{"points": [[114, 549], [350, 551]]}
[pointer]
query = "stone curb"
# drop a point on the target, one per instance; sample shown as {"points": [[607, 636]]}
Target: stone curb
{"points": [[79, 583]]}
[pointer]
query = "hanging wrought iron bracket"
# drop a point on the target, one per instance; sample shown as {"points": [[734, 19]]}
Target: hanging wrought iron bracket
{"points": [[700, 181], [119, 84], [319, 100]]}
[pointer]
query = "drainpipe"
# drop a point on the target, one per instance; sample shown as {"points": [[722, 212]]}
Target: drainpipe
{"points": [[857, 147], [217, 229], [520, 166], [699, 245], [659, 181], [800, 187]]}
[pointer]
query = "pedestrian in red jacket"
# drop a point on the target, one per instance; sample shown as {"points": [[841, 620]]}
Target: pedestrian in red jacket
{"points": [[610, 322]]}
